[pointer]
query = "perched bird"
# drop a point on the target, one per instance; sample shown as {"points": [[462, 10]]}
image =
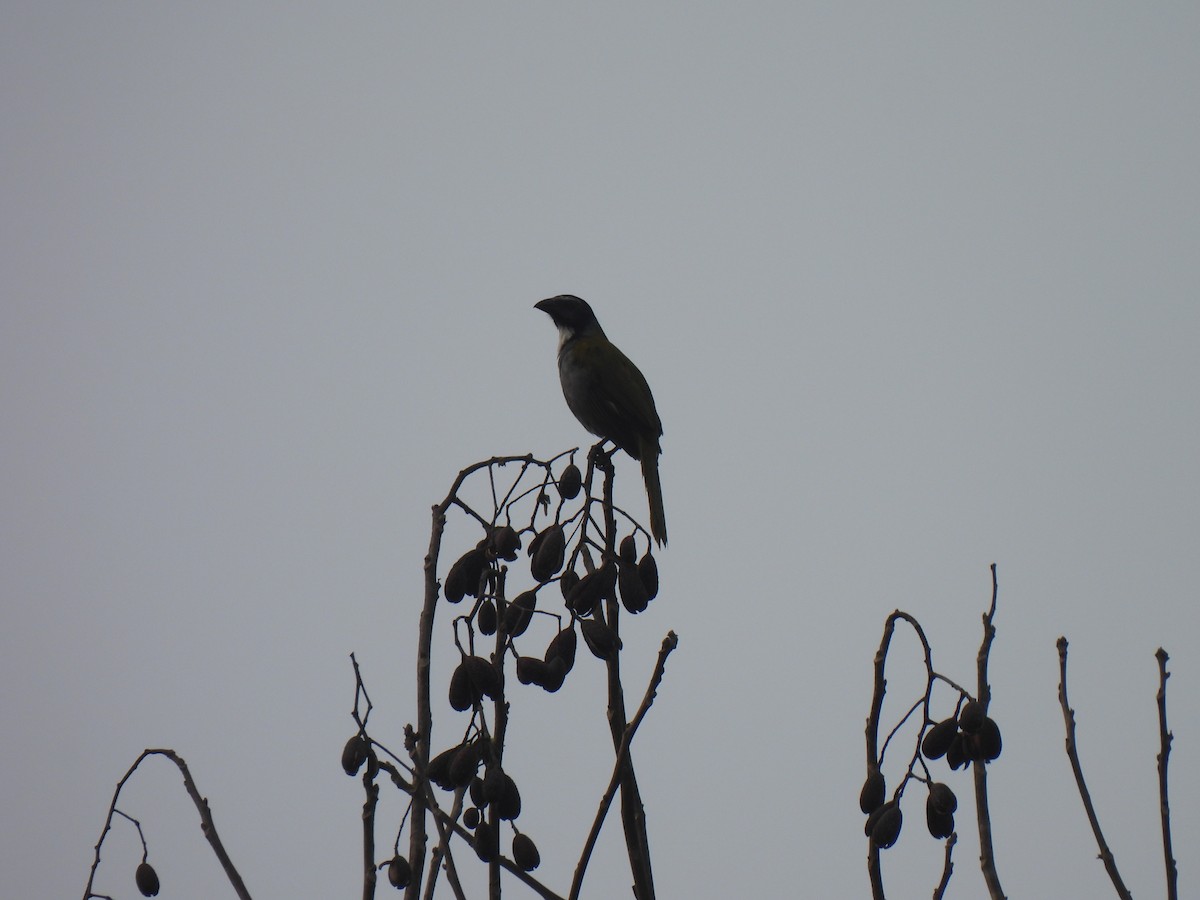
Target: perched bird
{"points": [[607, 393]]}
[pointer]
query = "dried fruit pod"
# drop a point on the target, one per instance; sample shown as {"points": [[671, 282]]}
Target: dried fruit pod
{"points": [[585, 595], [464, 765], [487, 843], [504, 542], [550, 554], [484, 676], [939, 822], [570, 482], [354, 754], [633, 593], [601, 640], [938, 738], [531, 670], [146, 880], [567, 582], [628, 550], [874, 791], [439, 767], [555, 675], [525, 853], [887, 827], [476, 790], [519, 613], [563, 647], [970, 720], [485, 618], [648, 571], [942, 797], [956, 756], [988, 740], [472, 815], [508, 804], [463, 692], [399, 873], [464, 576]]}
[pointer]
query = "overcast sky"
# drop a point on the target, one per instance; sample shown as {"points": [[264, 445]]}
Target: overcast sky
{"points": [[917, 288]]}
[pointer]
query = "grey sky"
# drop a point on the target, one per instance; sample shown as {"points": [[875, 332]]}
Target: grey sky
{"points": [[915, 286]]}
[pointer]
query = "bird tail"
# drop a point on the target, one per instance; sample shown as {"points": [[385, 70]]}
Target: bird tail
{"points": [[658, 518]]}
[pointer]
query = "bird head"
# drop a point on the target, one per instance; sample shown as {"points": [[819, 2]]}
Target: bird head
{"points": [[572, 315]]}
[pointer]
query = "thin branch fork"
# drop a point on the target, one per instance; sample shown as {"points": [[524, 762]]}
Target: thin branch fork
{"points": [[207, 825], [670, 642]]}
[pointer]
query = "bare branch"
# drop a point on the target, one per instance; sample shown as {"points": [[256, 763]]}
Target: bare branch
{"points": [[947, 868], [1165, 738], [670, 642], [207, 827], [1106, 856], [987, 855]]}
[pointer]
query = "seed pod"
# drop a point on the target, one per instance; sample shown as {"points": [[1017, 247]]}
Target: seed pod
{"points": [[463, 692], [873, 819], [463, 578], [486, 842], [531, 670], [550, 555], [519, 613], [493, 783], [508, 804], [484, 676], [504, 542], [586, 593], [942, 797], [464, 765], [555, 674], [477, 792], [146, 880], [525, 853], [439, 767], [970, 720], [570, 482], [354, 754], [956, 756], [601, 640], [874, 791], [633, 593], [399, 873], [887, 827], [938, 738], [567, 582], [648, 571], [628, 550], [563, 647], [939, 822], [485, 618], [471, 815], [988, 740]]}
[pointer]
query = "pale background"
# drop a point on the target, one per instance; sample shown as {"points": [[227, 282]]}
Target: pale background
{"points": [[915, 286]]}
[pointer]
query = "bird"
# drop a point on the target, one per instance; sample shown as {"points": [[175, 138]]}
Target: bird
{"points": [[608, 394]]}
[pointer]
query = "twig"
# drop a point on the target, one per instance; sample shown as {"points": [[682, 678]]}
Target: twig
{"points": [[670, 642], [1165, 738], [1110, 864], [947, 867], [207, 826], [987, 855]]}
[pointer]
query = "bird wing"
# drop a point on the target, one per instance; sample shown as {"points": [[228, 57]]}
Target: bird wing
{"points": [[612, 399]]}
